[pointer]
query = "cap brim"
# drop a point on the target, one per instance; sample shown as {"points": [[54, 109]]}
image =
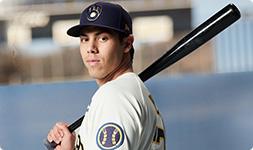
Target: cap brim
{"points": [[75, 31]]}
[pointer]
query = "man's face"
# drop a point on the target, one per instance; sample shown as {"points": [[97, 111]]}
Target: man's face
{"points": [[101, 51]]}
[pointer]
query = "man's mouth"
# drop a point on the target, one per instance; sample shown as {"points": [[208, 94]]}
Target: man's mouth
{"points": [[93, 62]]}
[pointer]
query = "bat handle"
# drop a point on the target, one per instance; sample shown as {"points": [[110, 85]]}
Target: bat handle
{"points": [[72, 128], [50, 145]]}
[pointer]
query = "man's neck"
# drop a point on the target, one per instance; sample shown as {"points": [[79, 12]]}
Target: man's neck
{"points": [[111, 77]]}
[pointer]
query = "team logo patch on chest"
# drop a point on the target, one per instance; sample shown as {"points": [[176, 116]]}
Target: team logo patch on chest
{"points": [[110, 136]]}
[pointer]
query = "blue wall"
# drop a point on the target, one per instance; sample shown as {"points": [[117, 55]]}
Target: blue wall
{"points": [[201, 112]]}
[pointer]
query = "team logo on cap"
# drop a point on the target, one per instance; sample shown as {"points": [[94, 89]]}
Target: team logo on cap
{"points": [[93, 12], [110, 136]]}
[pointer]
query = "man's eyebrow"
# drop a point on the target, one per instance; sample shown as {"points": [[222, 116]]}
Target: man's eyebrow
{"points": [[102, 32], [82, 35]]}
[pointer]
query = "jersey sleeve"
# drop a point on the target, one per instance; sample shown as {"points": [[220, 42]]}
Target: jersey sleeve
{"points": [[117, 120]]}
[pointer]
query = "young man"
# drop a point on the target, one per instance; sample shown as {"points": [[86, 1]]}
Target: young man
{"points": [[122, 114]]}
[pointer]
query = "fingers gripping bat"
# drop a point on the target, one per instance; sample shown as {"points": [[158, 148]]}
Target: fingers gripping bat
{"points": [[204, 32]]}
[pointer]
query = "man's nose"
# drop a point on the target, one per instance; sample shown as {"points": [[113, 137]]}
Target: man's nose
{"points": [[92, 48]]}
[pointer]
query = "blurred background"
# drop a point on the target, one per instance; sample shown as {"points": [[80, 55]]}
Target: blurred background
{"points": [[205, 98], [34, 46]]}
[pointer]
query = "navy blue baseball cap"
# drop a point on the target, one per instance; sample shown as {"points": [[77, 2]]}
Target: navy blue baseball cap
{"points": [[105, 15]]}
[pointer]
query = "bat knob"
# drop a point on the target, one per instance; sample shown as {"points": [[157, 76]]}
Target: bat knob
{"points": [[50, 145]]}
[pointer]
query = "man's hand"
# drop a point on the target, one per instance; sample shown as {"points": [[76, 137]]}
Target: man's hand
{"points": [[61, 136]]}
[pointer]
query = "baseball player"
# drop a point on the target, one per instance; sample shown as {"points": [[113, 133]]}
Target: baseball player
{"points": [[122, 114]]}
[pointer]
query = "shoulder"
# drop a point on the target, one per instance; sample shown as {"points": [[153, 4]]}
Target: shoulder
{"points": [[127, 80], [126, 84], [126, 91]]}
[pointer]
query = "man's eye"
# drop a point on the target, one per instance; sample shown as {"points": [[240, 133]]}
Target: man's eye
{"points": [[83, 39], [103, 39]]}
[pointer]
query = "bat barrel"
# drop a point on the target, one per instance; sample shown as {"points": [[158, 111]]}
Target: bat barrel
{"points": [[204, 32]]}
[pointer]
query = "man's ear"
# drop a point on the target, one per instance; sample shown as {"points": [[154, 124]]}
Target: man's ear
{"points": [[129, 43]]}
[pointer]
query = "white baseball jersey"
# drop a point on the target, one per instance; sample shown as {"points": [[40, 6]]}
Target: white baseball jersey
{"points": [[122, 116]]}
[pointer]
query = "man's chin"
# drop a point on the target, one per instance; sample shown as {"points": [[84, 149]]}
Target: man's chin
{"points": [[96, 75]]}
